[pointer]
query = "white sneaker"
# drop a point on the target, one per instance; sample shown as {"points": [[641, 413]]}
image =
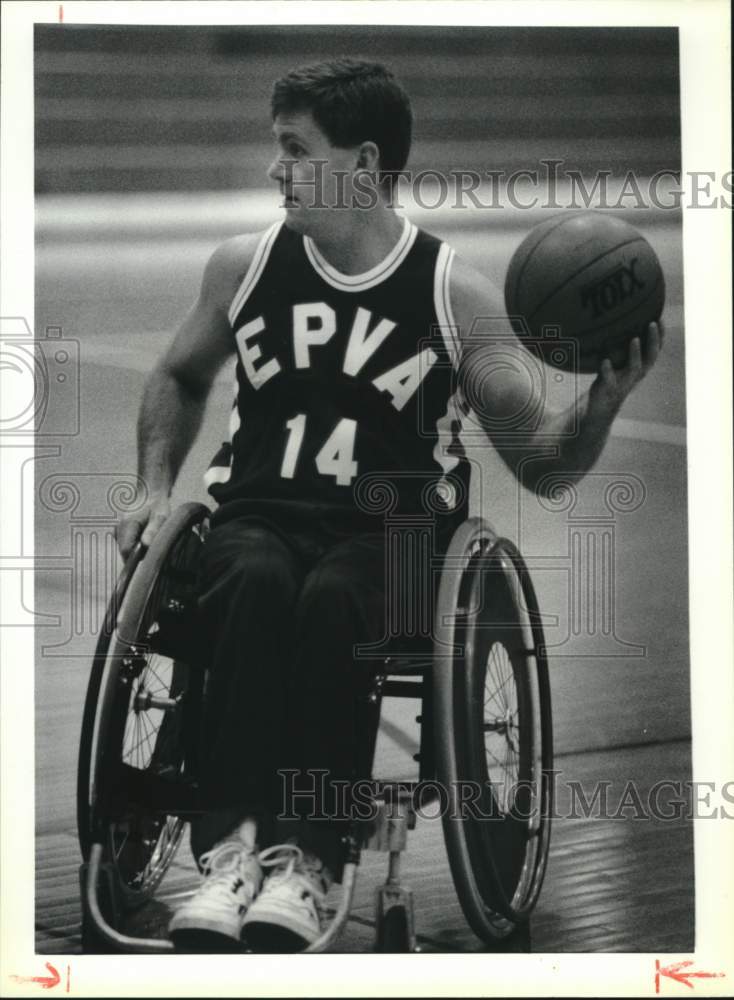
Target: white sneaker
{"points": [[288, 915], [212, 919]]}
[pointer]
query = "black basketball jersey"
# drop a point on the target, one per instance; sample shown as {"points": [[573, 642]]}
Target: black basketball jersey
{"points": [[346, 396]]}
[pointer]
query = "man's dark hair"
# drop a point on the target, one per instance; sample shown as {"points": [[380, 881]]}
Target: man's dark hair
{"points": [[351, 101]]}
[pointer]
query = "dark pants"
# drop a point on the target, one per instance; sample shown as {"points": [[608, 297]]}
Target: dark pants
{"points": [[280, 614]]}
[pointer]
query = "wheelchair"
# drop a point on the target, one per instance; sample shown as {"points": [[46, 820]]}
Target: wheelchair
{"points": [[485, 742]]}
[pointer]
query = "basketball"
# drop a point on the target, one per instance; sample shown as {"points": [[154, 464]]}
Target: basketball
{"points": [[588, 278]]}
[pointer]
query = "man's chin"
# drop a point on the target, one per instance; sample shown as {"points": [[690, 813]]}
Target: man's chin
{"points": [[295, 224], [295, 218]]}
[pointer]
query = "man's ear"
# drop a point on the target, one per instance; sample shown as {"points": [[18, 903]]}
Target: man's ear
{"points": [[368, 157]]}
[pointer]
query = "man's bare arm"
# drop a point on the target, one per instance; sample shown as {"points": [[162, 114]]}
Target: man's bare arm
{"points": [[175, 394], [494, 375]]}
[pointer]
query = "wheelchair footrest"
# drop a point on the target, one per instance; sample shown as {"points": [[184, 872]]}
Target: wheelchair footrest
{"points": [[388, 831], [394, 920]]}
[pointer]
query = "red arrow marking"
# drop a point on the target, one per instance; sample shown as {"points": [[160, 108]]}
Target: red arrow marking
{"points": [[674, 972], [45, 982]]}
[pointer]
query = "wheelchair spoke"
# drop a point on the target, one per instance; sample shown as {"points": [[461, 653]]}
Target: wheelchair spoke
{"points": [[159, 852], [140, 736], [494, 669], [500, 720], [131, 739], [145, 738], [494, 757], [162, 689], [504, 764], [150, 731], [495, 693], [164, 686], [166, 837], [492, 666], [119, 850], [509, 677]]}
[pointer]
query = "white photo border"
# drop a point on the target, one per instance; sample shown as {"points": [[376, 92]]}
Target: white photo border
{"points": [[705, 109]]}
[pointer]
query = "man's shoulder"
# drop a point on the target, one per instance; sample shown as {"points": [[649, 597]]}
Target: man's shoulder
{"points": [[466, 279], [473, 294], [228, 265]]}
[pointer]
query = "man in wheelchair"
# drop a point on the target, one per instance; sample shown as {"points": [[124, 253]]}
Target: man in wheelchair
{"points": [[355, 365]]}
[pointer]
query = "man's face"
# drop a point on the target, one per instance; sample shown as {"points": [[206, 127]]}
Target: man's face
{"points": [[311, 189]]}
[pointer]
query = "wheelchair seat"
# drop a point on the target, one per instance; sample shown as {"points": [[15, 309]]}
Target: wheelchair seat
{"points": [[485, 737]]}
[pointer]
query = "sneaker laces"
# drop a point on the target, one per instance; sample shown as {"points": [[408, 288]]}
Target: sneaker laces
{"points": [[224, 863], [289, 864]]}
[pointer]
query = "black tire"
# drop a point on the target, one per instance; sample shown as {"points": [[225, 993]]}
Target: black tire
{"points": [[488, 629], [127, 743], [393, 936], [89, 715]]}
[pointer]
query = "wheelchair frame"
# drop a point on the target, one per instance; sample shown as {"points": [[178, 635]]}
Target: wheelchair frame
{"points": [[486, 619]]}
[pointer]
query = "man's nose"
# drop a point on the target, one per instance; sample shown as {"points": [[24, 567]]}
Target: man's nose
{"points": [[275, 170], [281, 169]]}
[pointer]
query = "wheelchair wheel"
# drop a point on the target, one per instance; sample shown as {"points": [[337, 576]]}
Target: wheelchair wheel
{"points": [[134, 744], [494, 751]]}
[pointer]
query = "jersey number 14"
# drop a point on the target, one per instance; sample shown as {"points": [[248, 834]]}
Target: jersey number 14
{"points": [[336, 457]]}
